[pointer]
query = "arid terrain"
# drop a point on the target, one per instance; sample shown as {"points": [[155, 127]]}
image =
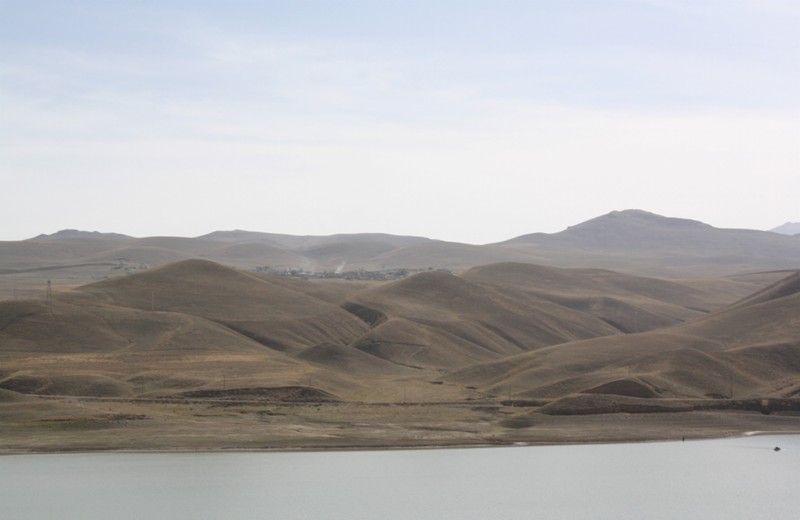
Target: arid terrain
{"points": [[631, 326]]}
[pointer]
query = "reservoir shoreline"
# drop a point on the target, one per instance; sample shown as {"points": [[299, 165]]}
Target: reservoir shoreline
{"points": [[306, 432]]}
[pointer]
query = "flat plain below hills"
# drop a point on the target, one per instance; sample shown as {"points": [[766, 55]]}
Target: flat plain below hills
{"points": [[196, 355]]}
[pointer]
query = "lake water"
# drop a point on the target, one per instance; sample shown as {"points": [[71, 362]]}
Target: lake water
{"points": [[727, 479]]}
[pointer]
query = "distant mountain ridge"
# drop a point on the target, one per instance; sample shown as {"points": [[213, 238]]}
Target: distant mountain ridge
{"points": [[789, 228], [630, 241], [75, 233]]}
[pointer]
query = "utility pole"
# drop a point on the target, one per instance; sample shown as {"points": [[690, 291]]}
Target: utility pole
{"points": [[49, 297]]}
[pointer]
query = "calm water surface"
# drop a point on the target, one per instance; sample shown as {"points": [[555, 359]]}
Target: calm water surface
{"points": [[724, 479]]}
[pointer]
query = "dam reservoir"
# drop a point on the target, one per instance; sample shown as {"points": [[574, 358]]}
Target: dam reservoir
{"points": [[735, 478]]}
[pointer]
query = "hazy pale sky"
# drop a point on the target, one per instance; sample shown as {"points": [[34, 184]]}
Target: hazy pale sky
{"points": [[472, 121]]}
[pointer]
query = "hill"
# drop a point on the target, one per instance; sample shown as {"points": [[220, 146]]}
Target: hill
{"points": [[441, 320], [350, 336], [640, 242], [194, 353], [271, 313], [631, 241], [75, 233], [76, 346], [629, 303], [789, 228], [749, 349]]}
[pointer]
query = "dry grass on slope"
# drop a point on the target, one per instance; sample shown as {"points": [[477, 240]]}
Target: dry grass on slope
{"points": [[750, 350], [448, 315], [771, 315], [264, 310], [630, 303], [203, 288], [76, 347]]}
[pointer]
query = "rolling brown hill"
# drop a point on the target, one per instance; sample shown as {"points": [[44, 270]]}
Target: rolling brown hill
{"points": [[74, 345], [629, 303], [271, 313], [528, 331], [442, 320], [749, 349]]}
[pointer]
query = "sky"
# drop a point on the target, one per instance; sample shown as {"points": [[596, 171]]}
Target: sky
{"points": [[469, 121]]}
